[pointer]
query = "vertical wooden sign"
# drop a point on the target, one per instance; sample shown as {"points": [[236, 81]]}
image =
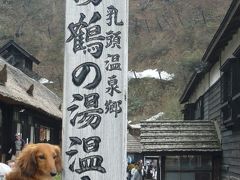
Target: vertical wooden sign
{"points": [[95, 90]]}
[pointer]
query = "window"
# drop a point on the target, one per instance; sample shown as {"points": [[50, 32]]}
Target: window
{"points": [[189, 111], [44, 134], [194, 110], [1, 118], [199, 109], [188, 167], [16, 115], [28, 64], [230, 92]]}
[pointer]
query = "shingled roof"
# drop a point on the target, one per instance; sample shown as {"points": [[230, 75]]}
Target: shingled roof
{"points": [[133, 144], [18, 88], [179, 135]]}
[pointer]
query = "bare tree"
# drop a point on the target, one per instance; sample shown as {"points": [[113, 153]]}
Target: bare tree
{"points": [[147, 25], [144, 4], [159, 24]]}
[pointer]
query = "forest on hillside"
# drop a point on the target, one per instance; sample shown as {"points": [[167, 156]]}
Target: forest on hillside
{"points": [[169, 35]]}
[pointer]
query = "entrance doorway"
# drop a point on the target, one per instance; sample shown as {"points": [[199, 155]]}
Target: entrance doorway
{"points": [[152, 166]]}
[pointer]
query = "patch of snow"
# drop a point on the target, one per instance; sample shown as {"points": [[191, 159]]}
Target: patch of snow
{"points": [[45, 81], [151, 73], [155, 117]]}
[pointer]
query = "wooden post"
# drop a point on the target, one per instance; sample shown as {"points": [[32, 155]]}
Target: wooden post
{"points": [[95, 90]]}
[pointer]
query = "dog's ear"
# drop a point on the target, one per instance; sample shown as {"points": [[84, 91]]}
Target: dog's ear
{"points": [[27, 161], [58, 159]]}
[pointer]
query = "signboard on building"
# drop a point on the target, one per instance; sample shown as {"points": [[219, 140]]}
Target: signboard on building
{"points": [[95, 90]]}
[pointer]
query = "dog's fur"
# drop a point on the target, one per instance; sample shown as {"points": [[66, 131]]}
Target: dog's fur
{"points": [[37, 162]]}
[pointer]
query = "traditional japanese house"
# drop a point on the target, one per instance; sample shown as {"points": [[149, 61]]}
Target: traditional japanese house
{"points": [[181, 150], [213, 91], [26, 107]]}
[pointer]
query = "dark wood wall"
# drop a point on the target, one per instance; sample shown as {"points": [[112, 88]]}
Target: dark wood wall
{"points": [[231, 153], [212, 102], [230, 137], [6, 128], [9, 126]]}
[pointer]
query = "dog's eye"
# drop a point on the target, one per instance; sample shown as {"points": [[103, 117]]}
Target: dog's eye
{"points": [[55, 156], [41, 157]]}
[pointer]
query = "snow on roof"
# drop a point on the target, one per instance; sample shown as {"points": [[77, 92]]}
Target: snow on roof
{"points": [[45, 81]]}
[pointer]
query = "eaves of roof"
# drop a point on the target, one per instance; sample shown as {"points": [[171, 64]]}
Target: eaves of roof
{"points": [[19, 48]]}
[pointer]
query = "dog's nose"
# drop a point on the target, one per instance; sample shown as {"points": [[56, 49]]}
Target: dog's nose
{"points": [[53, 173]]}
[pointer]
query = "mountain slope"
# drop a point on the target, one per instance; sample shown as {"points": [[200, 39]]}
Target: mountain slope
{"points": [[168, 35]]}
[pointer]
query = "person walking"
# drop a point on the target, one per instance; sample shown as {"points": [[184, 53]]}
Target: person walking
{"points": [[16, 146], [135, 172]]}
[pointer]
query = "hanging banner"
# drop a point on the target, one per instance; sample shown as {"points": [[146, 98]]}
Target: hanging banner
{"points": [[95, 90]]}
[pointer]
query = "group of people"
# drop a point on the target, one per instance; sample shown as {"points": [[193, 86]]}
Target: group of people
{"points": [[16, 147], [135, 171], [151, 172], [138, 171]]}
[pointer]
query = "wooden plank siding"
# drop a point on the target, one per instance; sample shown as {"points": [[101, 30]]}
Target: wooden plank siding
{"points": [[213, 104], [231, 153], [230, 138], [205, 106], [220, 101]]}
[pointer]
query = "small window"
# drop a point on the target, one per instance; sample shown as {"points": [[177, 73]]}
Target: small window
{"points": [[199, 109], [44, 134], [230, 92], [189, 111], [28, 64], [16, 115], [188, 167]]}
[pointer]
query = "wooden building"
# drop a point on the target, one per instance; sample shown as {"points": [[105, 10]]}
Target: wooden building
{"points": [[26, 107], [181, 150], [18, 57], [213, 92]]}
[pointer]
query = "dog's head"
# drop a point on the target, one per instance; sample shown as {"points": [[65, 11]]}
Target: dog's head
{"points": [[40, 160]]}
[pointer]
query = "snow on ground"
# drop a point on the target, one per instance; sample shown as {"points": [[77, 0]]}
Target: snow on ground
{"points": [[155, 117], [151, 73]]}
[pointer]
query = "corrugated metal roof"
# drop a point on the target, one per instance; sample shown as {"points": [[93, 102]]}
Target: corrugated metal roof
{"points": [[179, 135], [133, 144]]}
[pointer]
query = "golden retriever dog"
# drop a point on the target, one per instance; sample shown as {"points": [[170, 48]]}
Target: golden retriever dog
{"points": [[37, 162]]}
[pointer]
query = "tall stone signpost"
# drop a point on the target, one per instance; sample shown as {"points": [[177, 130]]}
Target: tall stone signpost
{"points": [[95, 90]]}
